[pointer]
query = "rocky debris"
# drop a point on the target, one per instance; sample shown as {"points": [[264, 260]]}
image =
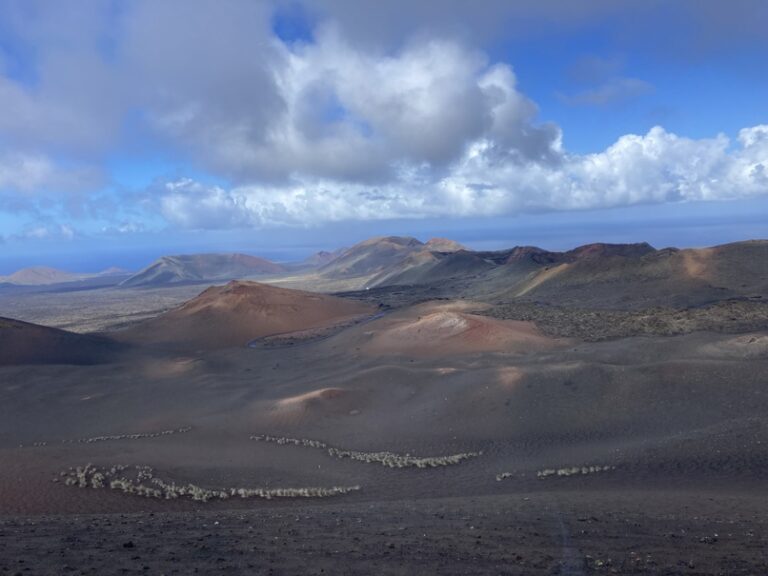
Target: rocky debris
{"points": [[593, 325]]}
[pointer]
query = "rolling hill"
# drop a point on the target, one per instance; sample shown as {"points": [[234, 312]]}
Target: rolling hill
{"points": [[234, 314], [201, 268], [40, 275]]}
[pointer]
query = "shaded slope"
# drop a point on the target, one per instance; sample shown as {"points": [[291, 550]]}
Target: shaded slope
{"points": [[669, 277], [25, 343], [202, 267], [489, 270], [622, 276], [439, 266], [233, 315]]}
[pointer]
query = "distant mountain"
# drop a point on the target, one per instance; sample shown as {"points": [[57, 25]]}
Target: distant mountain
{"points": [[323, 257], [234, 314], [378, 258], [39, 275], [202, 267], [44, 276], [114, 271], [600, 250], [594, 275]]}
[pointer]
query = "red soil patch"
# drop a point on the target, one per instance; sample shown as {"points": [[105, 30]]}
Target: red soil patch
{"points": [[439, 329]]}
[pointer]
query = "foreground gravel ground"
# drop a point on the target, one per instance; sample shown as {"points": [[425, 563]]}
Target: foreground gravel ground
{"points": [[541, 533]]}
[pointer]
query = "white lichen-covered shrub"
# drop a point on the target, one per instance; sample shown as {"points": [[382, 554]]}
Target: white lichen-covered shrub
{"points": [[389, 459], [141, 481], [129, 436], [550, 472], [572, 471], [113, 437]]}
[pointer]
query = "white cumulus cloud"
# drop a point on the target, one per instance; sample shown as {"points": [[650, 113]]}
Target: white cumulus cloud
{"points": [[418, 123], [637, 169], [32, 173]]}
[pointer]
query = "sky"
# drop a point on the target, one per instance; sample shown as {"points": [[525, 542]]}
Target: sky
{"points": [[129, 130]]}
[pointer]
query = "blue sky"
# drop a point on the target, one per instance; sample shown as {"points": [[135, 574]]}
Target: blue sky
{"points": [[132, 130]]}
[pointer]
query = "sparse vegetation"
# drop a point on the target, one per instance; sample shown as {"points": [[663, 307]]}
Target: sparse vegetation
{"points": [[129, 436], [139, 436], [593, 325], [573, 471], [389, 459], [548, 472], [95, 310], [141, 481]]}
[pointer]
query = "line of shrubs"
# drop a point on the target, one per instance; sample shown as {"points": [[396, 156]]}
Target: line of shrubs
{"points": [[108, 438], [549, 472], [573, 471], [384, 458], [141, 481]]}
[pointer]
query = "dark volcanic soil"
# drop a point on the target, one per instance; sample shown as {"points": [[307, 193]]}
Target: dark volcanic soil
{"points": [[629, 441], [588, 532]]}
